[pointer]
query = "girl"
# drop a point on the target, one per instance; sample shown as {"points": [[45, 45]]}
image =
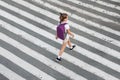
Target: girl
{"points": [[63, 20]]}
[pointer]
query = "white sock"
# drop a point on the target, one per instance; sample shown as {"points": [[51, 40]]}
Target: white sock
{"points": [[71, 46], [59, 57]]}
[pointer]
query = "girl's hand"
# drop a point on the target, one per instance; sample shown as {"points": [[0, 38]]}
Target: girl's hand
{"points": [[72, 36]]}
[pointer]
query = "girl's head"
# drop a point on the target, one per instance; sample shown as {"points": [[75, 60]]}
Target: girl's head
{"points": [[63, 17]]}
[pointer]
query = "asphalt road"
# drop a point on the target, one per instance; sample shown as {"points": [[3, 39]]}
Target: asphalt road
{"points": [[28, 47]]}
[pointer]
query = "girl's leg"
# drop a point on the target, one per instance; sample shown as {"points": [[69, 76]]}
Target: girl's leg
{"points": [[62, 49], [69, 43]]}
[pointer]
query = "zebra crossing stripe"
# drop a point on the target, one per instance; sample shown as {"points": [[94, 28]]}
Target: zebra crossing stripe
{"points": [[23, 64], [77, 26], [9, 73], [96, 8], [82, 50], [53, 50], [107, 4], [77, 9], [42, 59]]}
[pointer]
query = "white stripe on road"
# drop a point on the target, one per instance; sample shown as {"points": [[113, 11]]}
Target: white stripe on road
{"points": [[87, 53], [106, 4], [23, 64], [38, 56], [117, 15], [77, 26], [9, 73], [54, 50]]}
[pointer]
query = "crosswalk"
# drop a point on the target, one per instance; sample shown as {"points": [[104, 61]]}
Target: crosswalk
{"points": [[28, 46]]}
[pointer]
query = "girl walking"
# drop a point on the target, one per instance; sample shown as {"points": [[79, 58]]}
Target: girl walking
{"points": [[64, 33]]}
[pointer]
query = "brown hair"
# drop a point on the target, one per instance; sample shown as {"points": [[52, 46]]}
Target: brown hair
{"points": [[63, 16]]}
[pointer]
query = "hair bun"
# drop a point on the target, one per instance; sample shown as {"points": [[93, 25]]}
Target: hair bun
{"points": [[63, 16]]}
